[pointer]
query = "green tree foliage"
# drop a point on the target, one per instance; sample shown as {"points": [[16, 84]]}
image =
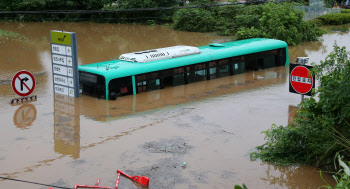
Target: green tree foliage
{"points": [[270, 20], [32, 5], [130, 4], [321, 128], [278, 21], [144, 16], [201, 2], [44, 5], [196, 20]]}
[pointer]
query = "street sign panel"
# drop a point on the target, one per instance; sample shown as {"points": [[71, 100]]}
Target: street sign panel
{"points": [[65, 63], [58, 59], [60, 89], [58, 49], [60, 80], [301, 81], [61, 70], [23, 83]]}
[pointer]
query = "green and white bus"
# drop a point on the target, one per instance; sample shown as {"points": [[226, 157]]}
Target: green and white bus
{"points": [[155, 69]]}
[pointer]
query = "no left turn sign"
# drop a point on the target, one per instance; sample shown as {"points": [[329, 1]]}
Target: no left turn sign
{"points": [[23, 83]]}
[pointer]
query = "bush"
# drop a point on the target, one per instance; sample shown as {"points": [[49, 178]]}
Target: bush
{"points": [[226, 19], [34, 5], [246, 33], [271, 20], [316, 21], [195, 20], [201, 2], [247, 21], [320, 128], [144, 16], [335, 19], [345, 11], [41, 5], [342, 28], [279, 21]]}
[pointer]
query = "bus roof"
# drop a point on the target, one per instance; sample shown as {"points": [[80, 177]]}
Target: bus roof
{"points": [[117, 68]]}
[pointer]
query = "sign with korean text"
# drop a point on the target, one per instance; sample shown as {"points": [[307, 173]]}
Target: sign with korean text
{"points": [[301, 81], [64, 58]]}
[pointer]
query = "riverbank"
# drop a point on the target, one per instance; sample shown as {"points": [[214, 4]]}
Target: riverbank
{"points": [[235, 19]]}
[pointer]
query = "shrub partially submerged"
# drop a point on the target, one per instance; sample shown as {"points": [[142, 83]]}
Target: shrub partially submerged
{"points": [[270, 20], [320, 128], [335, 18], [278, 21], [195, 20]]}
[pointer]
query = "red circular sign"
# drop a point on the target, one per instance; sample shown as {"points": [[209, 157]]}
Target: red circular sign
{"points": [[23, 83], [301, 79]]}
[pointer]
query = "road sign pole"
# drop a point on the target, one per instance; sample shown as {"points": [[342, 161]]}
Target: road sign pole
{"points": [[302, 96]]}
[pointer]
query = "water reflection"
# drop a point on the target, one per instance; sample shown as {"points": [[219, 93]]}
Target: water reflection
{"points": [[24, 116], [66, 126], [305, 49], [294, 176]]}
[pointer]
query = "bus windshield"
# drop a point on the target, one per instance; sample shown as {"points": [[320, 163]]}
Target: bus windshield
{"points": [[92, 84]]}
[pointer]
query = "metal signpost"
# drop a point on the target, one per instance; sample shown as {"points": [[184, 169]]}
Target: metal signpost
{"points": [[65, 77], [64, 58], [301, 81]]}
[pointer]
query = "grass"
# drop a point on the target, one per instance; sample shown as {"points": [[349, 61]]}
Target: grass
{"points": [[10, 35], [4, 33], [342, 28]]}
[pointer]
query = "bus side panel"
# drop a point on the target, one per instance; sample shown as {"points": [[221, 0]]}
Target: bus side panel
{"points": [[287, 56], [133, 85]]}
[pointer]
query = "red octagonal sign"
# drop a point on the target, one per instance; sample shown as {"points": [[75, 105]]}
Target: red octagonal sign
{"points": [[301, 81], [23, 83]]}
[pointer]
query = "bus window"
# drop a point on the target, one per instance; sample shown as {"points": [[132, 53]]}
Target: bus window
{"points": [[281, 57], [148, 82], [239, 65], [212, 70], [223, 68], [270, 61], [141, 86], [154, 84], [173, 77], [120, 86], [196, 73], [92, 84]]}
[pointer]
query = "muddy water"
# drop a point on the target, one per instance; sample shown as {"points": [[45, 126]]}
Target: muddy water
{"points": [[212, 125]]}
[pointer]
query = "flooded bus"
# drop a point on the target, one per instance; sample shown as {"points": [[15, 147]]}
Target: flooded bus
{"points": [[155, 69]]}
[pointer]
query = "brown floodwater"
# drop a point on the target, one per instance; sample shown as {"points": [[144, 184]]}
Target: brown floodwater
{"points": [[212, 125]]}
